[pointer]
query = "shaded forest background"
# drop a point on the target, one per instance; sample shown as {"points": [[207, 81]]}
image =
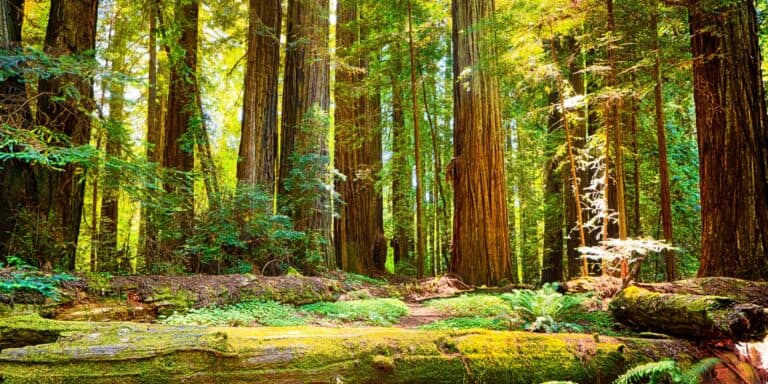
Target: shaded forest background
{"points": [[236, 137]]}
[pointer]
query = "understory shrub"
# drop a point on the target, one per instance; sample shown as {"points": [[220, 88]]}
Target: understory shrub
{"points": [[544, 310], [372, 311], [471, 306], [270, 314]]}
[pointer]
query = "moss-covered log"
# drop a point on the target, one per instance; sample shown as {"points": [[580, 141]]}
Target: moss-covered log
{"points": [[742, 291], [690, 316], [143, 353]]}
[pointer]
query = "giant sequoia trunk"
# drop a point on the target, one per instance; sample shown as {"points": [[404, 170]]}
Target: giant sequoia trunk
{"points": [[36, 350], [480, 238], [71, 31], [359, 231], [733, 136], [178, 152], [304, 129], [258, 149]]}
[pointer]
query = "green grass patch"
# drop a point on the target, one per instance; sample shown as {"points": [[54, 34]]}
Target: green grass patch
{"points": [[594, 322], [492, 323], [270, 314], [471, 306], [371, 311]]}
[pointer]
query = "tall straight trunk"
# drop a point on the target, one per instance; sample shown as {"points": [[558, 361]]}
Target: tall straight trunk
{"points": [[420, 231], [306, 102], [154, 134], [552, 264], [258, 139], [402, 204], [658, 100], [182, 112], [733, 139], [115, 137], [71, 30], [359, 230], [480, 238]]}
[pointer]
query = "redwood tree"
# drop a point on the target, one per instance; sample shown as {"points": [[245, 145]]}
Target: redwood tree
{"points": [[71, 31], [258, 149], [733, 138], [480, 238], [359, 230]]}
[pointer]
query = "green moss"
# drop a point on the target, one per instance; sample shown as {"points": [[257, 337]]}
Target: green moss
{"points": [[372, 311], [471, 306]]}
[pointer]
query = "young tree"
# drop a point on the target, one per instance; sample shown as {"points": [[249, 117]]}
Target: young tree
{"points": [[71, 31], [732, 134], [359, 230], [258, 140], [480, 238], [304, 129]]}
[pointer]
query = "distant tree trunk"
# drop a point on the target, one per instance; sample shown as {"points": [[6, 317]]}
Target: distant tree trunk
{"points": [[258, 140], [359, 231], [178, 151], [420, 231], [552, 263], [658, 97], [733, 137], [154, 135], [480, 238], [402, 204], [17, 184], [306, 102], [71, 30]]}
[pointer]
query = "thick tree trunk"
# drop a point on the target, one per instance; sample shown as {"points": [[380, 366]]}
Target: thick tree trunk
{"points": [[304, 129], [178, 151], [732, 133], [71, 30], [402, 196], [696, 317], [258, 140], [480, 238], [37, 350], [359, 231]]}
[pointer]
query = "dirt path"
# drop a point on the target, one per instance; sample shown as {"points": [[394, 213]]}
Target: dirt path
{"points": [[418, 316]]}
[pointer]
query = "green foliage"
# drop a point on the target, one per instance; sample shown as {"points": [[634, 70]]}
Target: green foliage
{"points": [[356, 279], [544, 310], [471, 306], [667, 371], [270, 314], [45, 285], [35, 240], [372, 311], [469, 323]]}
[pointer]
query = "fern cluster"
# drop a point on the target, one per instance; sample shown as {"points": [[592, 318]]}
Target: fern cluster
{"points": [[667, 371], [544, 310]]}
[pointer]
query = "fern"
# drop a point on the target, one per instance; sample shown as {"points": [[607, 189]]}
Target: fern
{"points": [[656, 372]]}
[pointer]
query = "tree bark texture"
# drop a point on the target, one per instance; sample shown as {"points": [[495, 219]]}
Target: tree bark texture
{"points": [[359, 231], [402, 194], [306, 102], [35, 350], [71, 30], [696, 317], [258, 140], [480, 238], [732, 137], [552, 264]]}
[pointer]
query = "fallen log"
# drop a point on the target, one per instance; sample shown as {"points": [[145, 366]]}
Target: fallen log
{"points": [[81, 352], [690, 316], [742, 291]]}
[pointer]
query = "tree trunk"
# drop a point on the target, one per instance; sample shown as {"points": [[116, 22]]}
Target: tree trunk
{"points": [[304, 129], [402, 198], [71, 30], [90, 353], [258, 140], [359, 231], [552, 264], [658, 98], [732, 135], [480, 238], [695, 317]]}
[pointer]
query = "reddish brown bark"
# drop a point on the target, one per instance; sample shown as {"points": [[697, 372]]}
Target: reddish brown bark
{"points": [[258, 140], [480, 237], [732, 137]]}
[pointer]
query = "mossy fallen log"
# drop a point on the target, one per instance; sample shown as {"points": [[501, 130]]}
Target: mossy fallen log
{"points": [[741, 291], [698, 317], [143, 353]]}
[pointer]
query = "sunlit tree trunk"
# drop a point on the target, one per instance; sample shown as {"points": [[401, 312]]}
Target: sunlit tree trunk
{"points": [[733, 139], [480, 238], [258, 140], [71, 30], [359, 230], [306, 102], [182, 112]]}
